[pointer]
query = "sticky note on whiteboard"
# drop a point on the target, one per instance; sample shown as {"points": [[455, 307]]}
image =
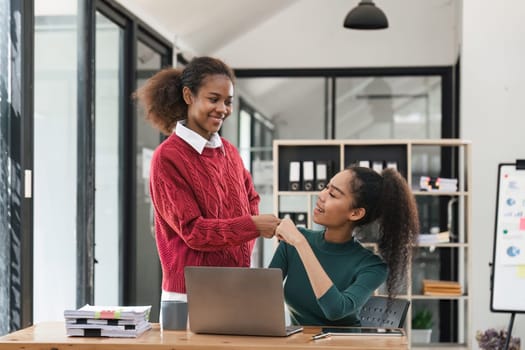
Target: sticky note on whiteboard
{"points": [[520, 271]]}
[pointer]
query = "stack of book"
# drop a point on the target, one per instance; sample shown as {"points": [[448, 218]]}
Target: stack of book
{"points": [[107, 321], [435, 287]]}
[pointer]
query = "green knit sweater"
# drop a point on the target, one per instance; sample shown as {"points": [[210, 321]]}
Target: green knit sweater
{"points": [[355, 271]]}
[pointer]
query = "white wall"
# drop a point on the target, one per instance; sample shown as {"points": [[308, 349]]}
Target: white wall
{"points": [[493, 117]]}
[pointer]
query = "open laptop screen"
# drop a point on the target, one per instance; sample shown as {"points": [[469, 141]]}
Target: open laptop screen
{"points": [[235, 300]]}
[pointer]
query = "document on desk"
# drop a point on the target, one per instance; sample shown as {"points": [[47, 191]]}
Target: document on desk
{"points": [[110, 312], [357, 331], [107, 321], [108, 331]]}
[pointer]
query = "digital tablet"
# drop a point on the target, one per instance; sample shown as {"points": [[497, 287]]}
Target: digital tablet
{"points": [[370, 331]]}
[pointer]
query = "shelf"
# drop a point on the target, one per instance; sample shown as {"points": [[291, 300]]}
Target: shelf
{"points": [[413, 142], [439, 193], [439, 297], [443, 245], [297, 193], [443, 346]]}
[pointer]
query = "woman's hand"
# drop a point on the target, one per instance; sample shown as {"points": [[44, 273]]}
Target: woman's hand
{"points": [[288, 232], [266, 224]]}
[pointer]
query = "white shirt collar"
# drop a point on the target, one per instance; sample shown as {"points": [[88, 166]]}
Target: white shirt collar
{"points": [[195, 140]]}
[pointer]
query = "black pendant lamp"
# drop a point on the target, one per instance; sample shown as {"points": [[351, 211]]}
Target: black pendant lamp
{"points": [[366, 15]]}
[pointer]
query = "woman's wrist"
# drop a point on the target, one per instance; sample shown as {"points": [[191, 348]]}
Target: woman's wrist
{"points": [[300, 242]]}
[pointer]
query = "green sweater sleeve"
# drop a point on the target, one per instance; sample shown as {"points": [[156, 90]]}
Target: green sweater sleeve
{"points": [[337, 304], [280, 259]]}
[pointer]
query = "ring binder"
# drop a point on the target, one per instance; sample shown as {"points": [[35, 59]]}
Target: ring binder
{"points": [[321, 175], [300, 220], [295, 176], [377, 165], [308, 175]]}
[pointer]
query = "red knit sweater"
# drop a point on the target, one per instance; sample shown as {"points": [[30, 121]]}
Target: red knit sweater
{"points": [[203, 207]]}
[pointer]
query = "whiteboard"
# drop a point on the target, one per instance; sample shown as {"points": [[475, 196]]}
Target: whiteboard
{"points": [[508, 266]]}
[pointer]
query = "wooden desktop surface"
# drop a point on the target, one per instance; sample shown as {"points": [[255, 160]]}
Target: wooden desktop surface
{"points": [[52, 336]]}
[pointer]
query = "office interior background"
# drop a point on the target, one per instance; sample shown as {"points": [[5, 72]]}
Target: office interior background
{"points": [[444, 68]]}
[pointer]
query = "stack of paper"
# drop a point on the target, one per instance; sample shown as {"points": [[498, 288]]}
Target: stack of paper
{"points": [[433, 238], [435, 287], [107, 321], [447, 185], [427, 183]]}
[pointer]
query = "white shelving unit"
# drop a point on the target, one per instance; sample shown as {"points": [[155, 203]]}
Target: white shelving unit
{"points": [[414, 158]]}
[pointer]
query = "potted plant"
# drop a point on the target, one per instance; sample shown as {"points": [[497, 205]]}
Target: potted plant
{"points": [[422, 326], [492, 339]]}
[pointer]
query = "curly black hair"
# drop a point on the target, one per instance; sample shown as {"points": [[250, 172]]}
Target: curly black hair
{"points": [[387, 199], [161, 95]]}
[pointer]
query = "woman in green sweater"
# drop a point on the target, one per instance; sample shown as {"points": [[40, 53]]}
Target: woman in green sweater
{"points": [[329, 274]]}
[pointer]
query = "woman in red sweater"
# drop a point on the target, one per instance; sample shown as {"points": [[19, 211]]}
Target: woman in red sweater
{"points": [[206, 207]]}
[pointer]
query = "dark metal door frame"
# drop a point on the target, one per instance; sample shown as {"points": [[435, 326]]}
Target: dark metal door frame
{"points": [[16, 166]]}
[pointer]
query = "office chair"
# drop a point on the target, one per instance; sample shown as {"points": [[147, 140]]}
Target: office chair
{"points": [[375, 314]]}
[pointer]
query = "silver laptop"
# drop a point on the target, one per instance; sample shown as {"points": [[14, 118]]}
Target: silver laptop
{"points": [[236, 300]]}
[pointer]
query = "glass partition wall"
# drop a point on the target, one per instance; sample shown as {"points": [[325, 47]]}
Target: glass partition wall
{"points": [[55, 160], [108, 96], [388, 107], [256, 133], [145, 282], [395, 105]]}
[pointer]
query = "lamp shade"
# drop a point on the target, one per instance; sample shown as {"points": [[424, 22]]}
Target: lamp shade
{"points": [[366, 16]]}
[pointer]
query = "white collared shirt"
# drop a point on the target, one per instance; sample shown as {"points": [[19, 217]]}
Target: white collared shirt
{"points": [[195, 140]]}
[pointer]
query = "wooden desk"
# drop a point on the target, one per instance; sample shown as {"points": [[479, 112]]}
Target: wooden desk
{"points": [[52, 336]]}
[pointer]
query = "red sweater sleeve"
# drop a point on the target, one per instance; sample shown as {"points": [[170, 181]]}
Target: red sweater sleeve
{"points": [[253, 196], [176, 204]]}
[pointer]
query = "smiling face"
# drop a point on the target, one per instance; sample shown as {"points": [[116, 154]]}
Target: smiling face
{"points": [[334, 207], [212, 103]]}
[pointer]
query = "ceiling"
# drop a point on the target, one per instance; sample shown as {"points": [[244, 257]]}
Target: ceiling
{"points": [[204, 26], [307, 33], [208, 27]]}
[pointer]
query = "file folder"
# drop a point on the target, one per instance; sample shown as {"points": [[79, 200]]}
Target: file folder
{"points": [[377, 165], [391, 165], [308, 175], [364, 163], [300, 220], [286, 215], [321, 175], [294, 179]]}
